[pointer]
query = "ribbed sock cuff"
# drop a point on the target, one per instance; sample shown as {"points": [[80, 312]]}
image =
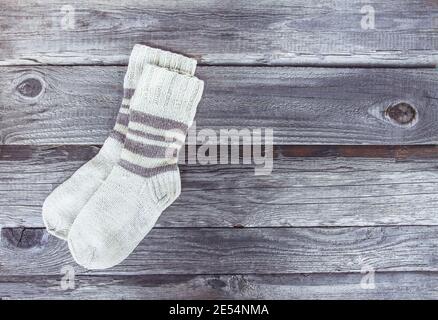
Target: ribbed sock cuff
{"points": [[163, 93], [165, 59], [143, 55]]}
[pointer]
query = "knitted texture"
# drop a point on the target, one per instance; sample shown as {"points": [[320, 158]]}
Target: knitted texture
{"points": [[146, 179], [64, 204]]}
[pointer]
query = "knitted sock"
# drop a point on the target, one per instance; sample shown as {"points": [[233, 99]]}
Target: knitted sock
{"points": [[65, 202], [146, 179]]}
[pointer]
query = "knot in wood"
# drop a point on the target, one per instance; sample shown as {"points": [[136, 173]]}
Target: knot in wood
{"points": [[23, 238], [401, 113], [30, 87]]}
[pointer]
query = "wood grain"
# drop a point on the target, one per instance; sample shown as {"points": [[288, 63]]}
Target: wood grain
{"points": [[221, 32], [329, 186], [78, 105], [238, 251], [319, 186], [308, 230], [388, 285]]}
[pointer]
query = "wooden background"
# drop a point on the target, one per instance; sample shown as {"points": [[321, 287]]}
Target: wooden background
{"points": [[354, 112]]}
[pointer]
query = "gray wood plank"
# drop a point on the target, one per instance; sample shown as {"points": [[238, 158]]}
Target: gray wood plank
{"points": [[387, 285], [220, 32], [238, 251], [78, 105], [329, 186]]}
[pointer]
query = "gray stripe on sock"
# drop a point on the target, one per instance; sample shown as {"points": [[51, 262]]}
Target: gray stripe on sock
{"points": [[146, 172], [128, 93], [122, 119], [148, 150], [154, 137], [157, 122], [118, 136]]}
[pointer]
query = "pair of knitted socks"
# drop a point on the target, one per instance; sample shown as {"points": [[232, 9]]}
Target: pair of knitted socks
{"points": [[109, 205]]}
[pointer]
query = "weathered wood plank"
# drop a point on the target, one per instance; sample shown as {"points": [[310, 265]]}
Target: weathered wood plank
{"points": [[65, 105], [319, 186], [238, 251], [388, 285], [221, 32]]}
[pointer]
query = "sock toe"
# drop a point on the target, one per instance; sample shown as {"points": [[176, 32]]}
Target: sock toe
{"points": [[87, 250], [59, 233], [82, 253], [52, 221]]}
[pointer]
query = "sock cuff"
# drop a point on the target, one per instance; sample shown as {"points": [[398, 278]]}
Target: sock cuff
{"points": [[142, 54], [166, 94]]}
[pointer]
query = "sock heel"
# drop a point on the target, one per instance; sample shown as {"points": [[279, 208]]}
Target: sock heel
{"points": [[165, 187]]}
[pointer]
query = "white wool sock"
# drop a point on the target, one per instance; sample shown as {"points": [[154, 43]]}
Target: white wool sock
{"points": [[63, 205], [146, 179]]}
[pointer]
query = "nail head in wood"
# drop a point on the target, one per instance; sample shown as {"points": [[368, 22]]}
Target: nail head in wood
{"points": [[401, 113]]}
